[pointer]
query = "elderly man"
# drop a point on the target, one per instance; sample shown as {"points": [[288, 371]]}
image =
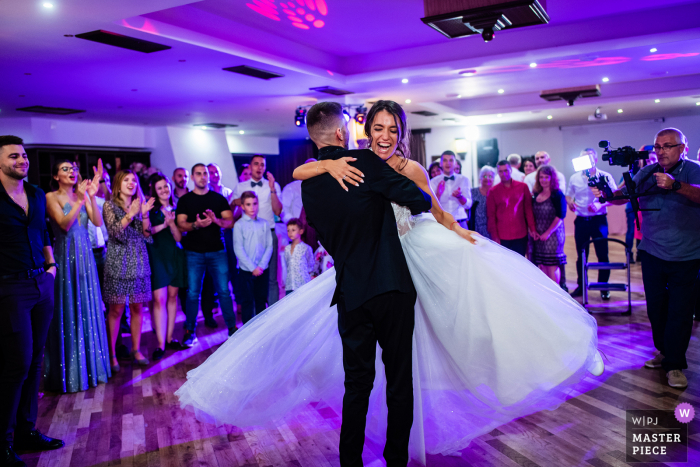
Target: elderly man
{"points": [[515, 160], [542, 158], [670, 249], [591, 220], [509, 212], [452, 189]]}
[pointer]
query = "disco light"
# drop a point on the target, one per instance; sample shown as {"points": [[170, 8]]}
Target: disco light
{"points": [[361, 114], [300, 117]]}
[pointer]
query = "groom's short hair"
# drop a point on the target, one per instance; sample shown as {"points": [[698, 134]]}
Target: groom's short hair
{"points": [[323, 118]]}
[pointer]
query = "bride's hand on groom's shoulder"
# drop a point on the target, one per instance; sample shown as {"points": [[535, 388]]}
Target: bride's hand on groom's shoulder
{"points": [[344, 172]]}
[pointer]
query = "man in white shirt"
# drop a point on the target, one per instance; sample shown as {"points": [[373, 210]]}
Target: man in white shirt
{"points": [[215, 182], [270, 205], [542, 158], [291, 199], [591, 220], [515, 160], [453, 190]]}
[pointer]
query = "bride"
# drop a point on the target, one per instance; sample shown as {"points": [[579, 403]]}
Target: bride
{"points": [[495, 339]]}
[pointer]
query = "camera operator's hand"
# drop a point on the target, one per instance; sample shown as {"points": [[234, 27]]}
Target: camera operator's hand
{"points": [[664, 181], [596, 192]]}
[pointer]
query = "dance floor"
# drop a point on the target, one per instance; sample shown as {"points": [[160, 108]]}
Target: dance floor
{"points": [[135, 420]]}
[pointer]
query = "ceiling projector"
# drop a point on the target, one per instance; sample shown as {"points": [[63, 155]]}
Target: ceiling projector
{"points": [[597, 116]]}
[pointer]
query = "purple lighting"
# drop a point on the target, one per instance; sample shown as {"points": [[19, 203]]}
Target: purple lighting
{"points": [[298, 16]]}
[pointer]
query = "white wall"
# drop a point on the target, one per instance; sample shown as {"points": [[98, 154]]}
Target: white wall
{"points": [[239, 144]]}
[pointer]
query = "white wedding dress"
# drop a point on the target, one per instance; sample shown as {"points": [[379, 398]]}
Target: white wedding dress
{"points": [[495, 339]]}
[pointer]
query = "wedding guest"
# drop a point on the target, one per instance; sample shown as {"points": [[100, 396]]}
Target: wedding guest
{"points": [[452, 189], [27, 272], [515, 161], [528, 165], [458, 166], [209, 296], [203, 213], [543, 158], [127, 271], [509, 212], [270, 206], [434, 170], [322, 261], [298, 256], [167, 261], [478, 221], [245, 173], [180, 179], [591, 220], [549, 210], [291, 199], [77, 349], [253, 243]]}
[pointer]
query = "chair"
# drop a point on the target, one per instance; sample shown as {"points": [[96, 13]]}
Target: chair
{"points": [[610, 286]]}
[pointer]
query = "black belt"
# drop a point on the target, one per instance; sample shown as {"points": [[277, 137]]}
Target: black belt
{"points": [[590, 218], [32, 273]]}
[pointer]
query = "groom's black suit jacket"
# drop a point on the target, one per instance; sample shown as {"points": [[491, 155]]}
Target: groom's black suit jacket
{"points": [[358, 227]]}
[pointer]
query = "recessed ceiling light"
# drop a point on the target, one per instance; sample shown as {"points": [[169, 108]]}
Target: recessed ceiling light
{"points": [[619, 111], [657, 100], [48, 5], [408, 101], [404, 81], [499, 115], [533, 65], [605, 80], [241, 132], [468, 72], [549, 117], [652, 50], [501, 91], [697, 103], [458, 96]]}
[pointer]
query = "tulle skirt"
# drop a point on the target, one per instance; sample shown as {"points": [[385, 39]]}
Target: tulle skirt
{"points": [[495, 339]]}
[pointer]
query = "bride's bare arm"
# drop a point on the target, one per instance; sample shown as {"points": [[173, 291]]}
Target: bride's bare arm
{"points": [[339, 169], [418, 175]]}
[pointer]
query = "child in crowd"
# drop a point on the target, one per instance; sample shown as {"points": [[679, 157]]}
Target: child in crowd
{"points": [[298, 257], [252, 243]]}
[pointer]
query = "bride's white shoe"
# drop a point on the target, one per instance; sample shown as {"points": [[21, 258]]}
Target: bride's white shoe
{"points": [[597, 367]]}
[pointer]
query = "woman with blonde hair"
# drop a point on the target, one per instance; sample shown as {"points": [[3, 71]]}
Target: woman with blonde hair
{"points": [[127, 272]]}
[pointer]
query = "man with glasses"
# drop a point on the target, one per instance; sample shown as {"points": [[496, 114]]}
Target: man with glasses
{"points": [[670, 249]]}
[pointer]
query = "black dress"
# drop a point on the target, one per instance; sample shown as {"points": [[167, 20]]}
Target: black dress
{"points": [[166, 257]]}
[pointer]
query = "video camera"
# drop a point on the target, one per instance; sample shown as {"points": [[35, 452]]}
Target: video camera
{"points": [[625, 156]]}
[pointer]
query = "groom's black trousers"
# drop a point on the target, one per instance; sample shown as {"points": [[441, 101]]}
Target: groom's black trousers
{"points": [[388, 319]]}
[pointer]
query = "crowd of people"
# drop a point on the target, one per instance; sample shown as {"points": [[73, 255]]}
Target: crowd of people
{"points": [[144, 240]]}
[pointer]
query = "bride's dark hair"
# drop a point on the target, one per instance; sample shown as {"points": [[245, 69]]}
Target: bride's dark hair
{"points": [[400, 117]]}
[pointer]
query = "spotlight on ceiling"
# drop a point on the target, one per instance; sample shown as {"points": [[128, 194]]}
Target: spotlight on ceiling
{"points": [[361, 114], [48, 5], [300, 117], [346, 115], [654, 50], [605, 80], [533, 65], [404, 81]]}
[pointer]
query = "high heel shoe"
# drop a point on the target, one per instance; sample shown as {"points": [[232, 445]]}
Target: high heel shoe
{"points": [[140, 361], [115, 368], [597, 367]]}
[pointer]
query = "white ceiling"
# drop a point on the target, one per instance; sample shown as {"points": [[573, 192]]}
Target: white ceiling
{"points": [[364, 46]]}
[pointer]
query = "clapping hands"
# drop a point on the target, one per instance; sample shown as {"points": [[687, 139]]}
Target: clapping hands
{"points": [[94, 185], [147, 206], [81, 189], [169, 217]]}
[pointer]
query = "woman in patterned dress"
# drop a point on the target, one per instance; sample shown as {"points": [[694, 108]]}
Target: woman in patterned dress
{"points": [[549, 209], [127, 272]]}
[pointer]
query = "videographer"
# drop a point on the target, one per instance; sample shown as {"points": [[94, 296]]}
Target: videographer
{"points": [[670, 248], [591, 220]]}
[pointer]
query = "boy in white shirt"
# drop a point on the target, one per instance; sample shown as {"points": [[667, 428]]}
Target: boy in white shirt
{"points": [[298, 257]]}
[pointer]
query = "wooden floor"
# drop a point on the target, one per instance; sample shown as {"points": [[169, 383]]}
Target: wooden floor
{"points": [[135, 420]]}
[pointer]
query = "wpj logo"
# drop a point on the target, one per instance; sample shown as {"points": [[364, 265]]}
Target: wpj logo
{"points": [[658, 435]]}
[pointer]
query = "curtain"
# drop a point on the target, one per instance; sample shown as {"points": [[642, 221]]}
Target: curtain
{"points": [[417, 146]]}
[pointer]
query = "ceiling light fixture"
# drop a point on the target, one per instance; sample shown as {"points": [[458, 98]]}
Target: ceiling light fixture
{"points": [[533, 65], [468, 72], [697, 103], [653, 50], [404, 81], [501, 91], [459, 96], [48, 5], [619, 111], [657, 100], [605, 80], [408, 101], [549, 117], [499, 115], [241, 132]]}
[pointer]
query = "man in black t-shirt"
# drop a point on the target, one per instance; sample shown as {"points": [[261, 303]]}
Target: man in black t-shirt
{"points": [[203, 213]]}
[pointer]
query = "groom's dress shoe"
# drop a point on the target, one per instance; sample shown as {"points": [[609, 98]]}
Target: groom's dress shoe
{"points": [[35, 441], [9, 458]]}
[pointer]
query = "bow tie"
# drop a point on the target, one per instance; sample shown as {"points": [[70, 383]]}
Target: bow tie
{"points": [[450, 178], [254, 184]]}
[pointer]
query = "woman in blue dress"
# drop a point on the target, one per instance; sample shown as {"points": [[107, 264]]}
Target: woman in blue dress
{"points": [[77, 351]]}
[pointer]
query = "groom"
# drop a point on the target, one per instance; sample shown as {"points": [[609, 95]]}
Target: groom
{"points": [[374, 292]]}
